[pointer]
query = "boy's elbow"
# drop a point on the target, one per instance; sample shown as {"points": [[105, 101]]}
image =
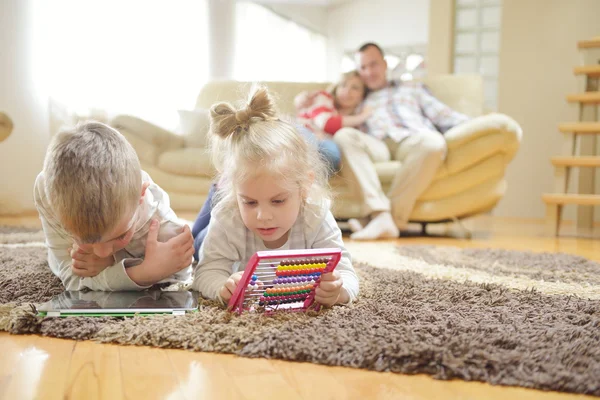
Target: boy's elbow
{"points": [[196, 285], [72, 283]]}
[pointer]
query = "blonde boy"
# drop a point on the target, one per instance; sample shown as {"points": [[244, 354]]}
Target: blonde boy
{"points": [[108, 226]]}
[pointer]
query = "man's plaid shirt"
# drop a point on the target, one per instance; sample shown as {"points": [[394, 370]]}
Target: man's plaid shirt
{"points": [[404, 109]]}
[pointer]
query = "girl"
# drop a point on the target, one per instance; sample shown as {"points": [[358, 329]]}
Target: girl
{"points": [[320, 115], [271, 195], [326, 112]]}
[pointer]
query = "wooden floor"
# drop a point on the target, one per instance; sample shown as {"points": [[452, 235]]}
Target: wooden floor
{"points": [[37, 367]]}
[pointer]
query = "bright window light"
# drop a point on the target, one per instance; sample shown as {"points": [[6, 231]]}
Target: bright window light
{"points": [[143, 57], [272, 48]]}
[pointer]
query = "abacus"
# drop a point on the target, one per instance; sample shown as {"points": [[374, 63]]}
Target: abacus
{"points": [[282, 280]]}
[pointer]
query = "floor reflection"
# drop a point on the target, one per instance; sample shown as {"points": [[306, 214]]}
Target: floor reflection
{"points": [[195, 387]]}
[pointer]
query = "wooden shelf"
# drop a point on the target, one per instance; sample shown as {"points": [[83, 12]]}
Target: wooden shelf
{"points": [[586, 161], [580, 127], [589, 44], [581, 161], [589, 70], [587, 97], [581, 199]]}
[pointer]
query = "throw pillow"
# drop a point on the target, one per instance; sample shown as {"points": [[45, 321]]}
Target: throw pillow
{"points": [[193, 126]]}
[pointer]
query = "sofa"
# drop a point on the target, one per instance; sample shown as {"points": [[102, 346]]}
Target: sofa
{"points": [[471, 180]]}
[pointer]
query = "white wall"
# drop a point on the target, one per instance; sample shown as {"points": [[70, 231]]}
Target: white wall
{"points": [[388, 23], [537, 54], [311, 17], [441, 35], [22, 154]]}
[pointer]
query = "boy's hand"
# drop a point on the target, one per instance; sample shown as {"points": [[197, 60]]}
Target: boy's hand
{"points": [[331, 289], [229, 287], [86, 264], [163, 259]]}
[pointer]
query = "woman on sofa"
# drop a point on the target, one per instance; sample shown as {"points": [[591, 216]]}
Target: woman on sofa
{"points": [[320, 115], [325, 112]]}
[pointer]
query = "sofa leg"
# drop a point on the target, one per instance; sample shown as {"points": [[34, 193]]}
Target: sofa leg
{"points": [[423, 228]]}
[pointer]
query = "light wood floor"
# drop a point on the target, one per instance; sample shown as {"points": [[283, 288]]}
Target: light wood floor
{"points": [[38, 367]]}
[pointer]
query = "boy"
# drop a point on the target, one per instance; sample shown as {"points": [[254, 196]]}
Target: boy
{"points": [[108, 226]]}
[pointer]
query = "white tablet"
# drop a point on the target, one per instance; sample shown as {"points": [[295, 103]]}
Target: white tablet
{"points": [[126, 303]]}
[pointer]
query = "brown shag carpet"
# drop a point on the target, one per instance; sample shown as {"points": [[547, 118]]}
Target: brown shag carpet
{"points": [[403, 322]]}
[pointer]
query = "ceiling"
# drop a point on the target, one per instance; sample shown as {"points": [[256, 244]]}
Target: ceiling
{"points": [[317, 3]]}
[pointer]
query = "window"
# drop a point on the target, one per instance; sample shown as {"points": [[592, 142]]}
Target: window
{"points": [[477, 43], [272, 48], [146, 58]]}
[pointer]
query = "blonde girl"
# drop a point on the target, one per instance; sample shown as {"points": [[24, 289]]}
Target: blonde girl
{"points": [[272, 194]]}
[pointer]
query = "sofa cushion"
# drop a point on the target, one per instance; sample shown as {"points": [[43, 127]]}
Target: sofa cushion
{"points": [[387, 170], [172, 183], [189, 161]]}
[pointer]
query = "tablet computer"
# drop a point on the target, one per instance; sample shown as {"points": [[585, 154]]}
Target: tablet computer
{"points": [[125, 303]]}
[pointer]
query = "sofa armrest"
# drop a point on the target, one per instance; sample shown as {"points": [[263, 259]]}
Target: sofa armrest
{"points": [[153, 134], [480, 138], [147, 139], [483, 126]]}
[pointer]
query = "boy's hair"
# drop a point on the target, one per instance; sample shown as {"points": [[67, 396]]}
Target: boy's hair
{"points": [[252, 140], [92, 179]]}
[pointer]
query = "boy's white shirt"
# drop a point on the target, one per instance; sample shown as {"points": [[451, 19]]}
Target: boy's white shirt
{"points": [[229, 245], [156, 204]]}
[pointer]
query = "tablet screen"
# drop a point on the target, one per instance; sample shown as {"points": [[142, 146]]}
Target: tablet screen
{"points": [[143, 301]]}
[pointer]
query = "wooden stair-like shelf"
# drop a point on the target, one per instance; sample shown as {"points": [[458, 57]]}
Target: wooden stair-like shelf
{"points": [[589, 44], [584, 157], [587, 98], [580, 127], [581, 161], [581, 199], [589, 70]]}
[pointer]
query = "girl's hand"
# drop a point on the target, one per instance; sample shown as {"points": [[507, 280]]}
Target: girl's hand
{"points": [[229, 287], [366, 113], [304, 99], [331, 289]]}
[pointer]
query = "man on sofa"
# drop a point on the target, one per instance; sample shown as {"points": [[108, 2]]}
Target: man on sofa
{"points": [[407, 124]]}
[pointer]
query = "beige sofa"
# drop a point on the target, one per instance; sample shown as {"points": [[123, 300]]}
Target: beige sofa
{"points": [[471, 180]]}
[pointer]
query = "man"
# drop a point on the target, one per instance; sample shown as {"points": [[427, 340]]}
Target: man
{"points": [[406, 124]]}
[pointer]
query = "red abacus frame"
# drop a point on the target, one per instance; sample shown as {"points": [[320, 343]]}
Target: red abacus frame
{"points": [[283, 280]]}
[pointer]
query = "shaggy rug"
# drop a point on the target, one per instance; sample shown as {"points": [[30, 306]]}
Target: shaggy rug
{"points": [[503, 317]]}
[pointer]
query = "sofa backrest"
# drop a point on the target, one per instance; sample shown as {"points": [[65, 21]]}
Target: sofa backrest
{"points": [[234, 91], [464, 93]]}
